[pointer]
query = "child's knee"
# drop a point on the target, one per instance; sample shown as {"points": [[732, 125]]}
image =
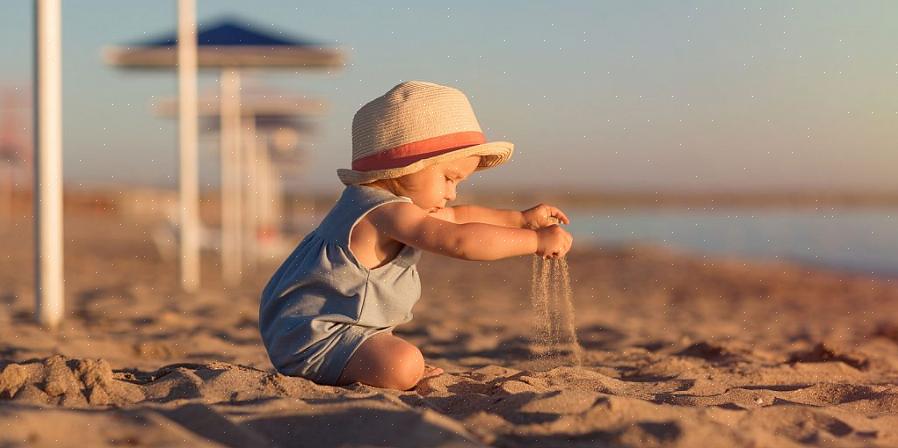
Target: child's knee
{"points": [[407, 368]]}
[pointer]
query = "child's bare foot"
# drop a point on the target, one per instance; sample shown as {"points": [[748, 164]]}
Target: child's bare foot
{"points": [[430, 372]]}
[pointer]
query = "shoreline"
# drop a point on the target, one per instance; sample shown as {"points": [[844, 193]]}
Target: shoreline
{"points": [[810, 267], [110, 198]]}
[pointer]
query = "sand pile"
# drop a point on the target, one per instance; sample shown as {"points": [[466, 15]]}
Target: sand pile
{"points": [[67, 382], [58, 380]]}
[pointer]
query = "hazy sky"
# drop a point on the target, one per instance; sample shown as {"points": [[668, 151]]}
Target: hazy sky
{"points": [[691, 95]]}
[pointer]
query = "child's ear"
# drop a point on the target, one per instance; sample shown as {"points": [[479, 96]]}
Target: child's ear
{"points": [[396, 186]]}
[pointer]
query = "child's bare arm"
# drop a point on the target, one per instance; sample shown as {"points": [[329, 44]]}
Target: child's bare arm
{"points": [[462, 214], [409, 224], [534, 218]]}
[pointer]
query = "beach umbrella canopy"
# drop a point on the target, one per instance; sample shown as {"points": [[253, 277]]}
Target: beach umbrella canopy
{"points": [[229, 43], [270, 111], [253, 102], [265, 124]]}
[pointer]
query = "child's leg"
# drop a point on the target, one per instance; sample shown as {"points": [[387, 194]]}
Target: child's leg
{"points": [[386, 361]]}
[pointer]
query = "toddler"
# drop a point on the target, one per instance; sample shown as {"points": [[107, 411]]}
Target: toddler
{"points": [[328, 312]]}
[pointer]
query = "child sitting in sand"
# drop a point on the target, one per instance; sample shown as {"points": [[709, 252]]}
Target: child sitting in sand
{"points": [[328, 312]]}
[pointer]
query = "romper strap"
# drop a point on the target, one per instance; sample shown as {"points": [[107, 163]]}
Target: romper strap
{"points": [[354, 203]]}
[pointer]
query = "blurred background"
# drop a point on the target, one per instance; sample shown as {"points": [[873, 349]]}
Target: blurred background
{"points": [[763, 131]]}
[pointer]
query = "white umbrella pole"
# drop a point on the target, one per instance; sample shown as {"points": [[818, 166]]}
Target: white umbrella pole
{"points": [[48, 162], [231, 244], [277, 200], [251, 214], [264, 181], [188, 138]]}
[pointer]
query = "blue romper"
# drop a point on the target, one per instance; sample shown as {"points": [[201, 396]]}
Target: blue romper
{"points": [[322, 304]]}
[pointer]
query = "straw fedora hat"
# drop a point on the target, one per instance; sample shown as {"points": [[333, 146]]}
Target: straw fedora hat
{"points": [[414, 125]]}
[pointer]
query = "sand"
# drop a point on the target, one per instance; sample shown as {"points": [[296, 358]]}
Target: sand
{"points": [[678, 350]]}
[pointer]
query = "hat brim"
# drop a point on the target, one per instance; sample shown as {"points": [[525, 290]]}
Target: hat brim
{"points": [[491, 154]]}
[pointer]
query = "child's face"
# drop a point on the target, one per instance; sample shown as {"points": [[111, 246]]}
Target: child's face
{"points": [[433, 187]]}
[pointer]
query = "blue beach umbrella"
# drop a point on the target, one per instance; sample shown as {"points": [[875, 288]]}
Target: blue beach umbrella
{"points": [[229, 43]]}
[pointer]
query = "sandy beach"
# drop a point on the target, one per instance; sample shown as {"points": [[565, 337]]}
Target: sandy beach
{"points": [[679, 350]]}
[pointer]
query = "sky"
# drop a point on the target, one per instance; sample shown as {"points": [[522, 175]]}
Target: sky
{"points": [[628, 95]]}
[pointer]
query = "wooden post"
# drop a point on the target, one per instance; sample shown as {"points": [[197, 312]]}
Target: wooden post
{"points": [[187, 140], [48, 295], [231, 229]]}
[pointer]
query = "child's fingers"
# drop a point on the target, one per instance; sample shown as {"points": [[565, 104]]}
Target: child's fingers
{"points": [[560, 215], [555, 214]]}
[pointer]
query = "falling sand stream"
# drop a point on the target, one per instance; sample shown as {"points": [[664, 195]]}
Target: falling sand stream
{"points": [[550, 292]]}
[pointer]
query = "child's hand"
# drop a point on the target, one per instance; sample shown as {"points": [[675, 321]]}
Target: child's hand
{"points": [[543, 216], [553, 242]]}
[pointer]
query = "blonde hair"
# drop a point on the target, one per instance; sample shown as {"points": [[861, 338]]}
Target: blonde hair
{"points": [[396, 185], [393, 185]]}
